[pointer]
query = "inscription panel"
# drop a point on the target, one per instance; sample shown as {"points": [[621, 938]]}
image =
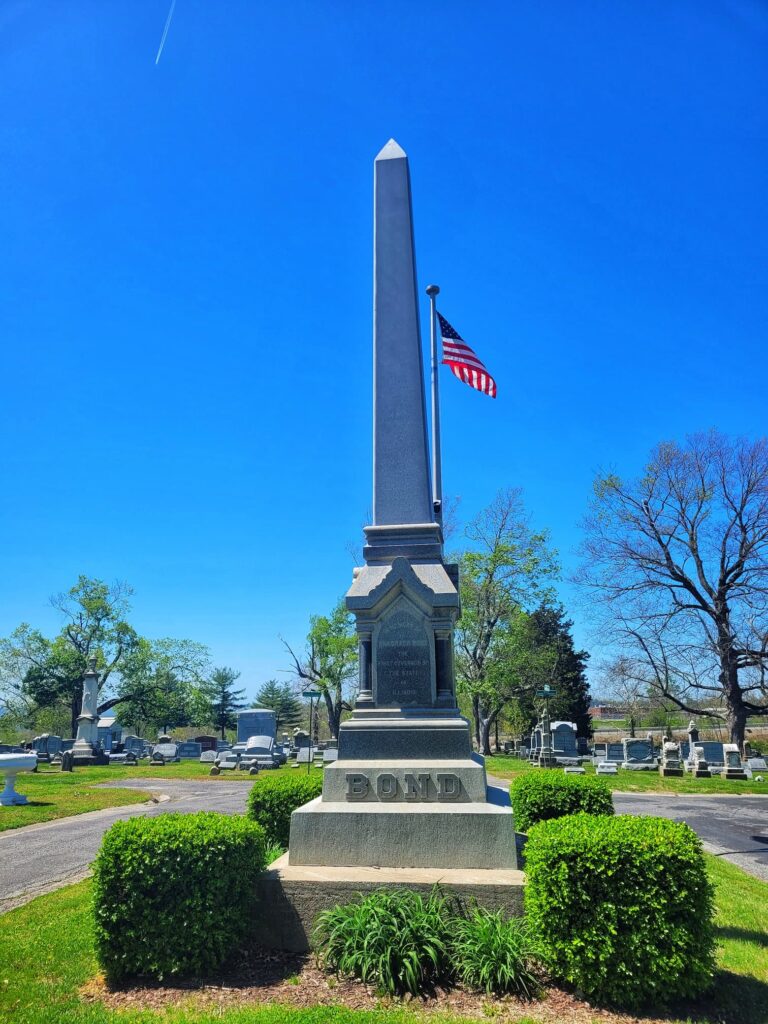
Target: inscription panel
{"points": [[403, 662], [423, 787]]}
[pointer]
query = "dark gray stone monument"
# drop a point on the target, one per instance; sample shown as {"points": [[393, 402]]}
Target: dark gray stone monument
{"points": [[406, 790]]}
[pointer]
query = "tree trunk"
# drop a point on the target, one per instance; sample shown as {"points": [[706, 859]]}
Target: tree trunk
{"points": [[334, 709], [496, 733], [734, 701], [486, 724], [476, 719]]}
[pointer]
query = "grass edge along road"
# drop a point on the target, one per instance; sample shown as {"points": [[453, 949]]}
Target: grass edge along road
{"points": [[54, 794], [46, 955], [628, 781]]}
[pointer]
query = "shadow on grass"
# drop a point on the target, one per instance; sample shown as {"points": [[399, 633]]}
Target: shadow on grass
{"points": [[733, 999], [744, 935]]}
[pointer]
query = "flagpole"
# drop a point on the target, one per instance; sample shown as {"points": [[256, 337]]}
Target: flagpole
{"points": [[437, 471]]}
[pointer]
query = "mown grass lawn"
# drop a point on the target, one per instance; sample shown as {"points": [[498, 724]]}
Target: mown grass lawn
{"points": [[639, 782], [56, 794], [61, 794], [46, 956]]}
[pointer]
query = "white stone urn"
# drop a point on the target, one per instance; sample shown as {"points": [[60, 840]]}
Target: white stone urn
{"points": [[10, 766]]}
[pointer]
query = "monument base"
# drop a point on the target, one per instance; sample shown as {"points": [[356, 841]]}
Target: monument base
{"points": [[671, 773], [289, 897], [405, 835]]}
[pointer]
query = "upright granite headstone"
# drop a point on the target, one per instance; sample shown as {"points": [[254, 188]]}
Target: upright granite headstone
{"points": [[406, 789]]}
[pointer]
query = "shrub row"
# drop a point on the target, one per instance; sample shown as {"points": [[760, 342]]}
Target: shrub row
{"points": [[171, 893], [276, 796], [622, 907], [549, 793]]}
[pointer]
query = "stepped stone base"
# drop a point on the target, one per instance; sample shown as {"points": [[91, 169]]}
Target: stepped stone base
{"points": [[405, 835], [289, 897]]}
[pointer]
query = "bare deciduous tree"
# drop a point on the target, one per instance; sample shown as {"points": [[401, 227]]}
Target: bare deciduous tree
{"points": [[679, 561]]}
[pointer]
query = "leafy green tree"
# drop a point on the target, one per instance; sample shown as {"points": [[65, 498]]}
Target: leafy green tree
{"points": [[161, 683], [224, 700], [38, 674], [508, 567], [283, 701], [44, 673], [551, 628], [329, 661]]}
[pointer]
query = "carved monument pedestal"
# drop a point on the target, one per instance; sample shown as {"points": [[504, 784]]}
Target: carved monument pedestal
{"points": [[406, 803]]}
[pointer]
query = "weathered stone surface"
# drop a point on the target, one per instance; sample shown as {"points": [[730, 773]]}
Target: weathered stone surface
{"points": [[388, 781], [403, 667], [289, 897], [406, 835]]}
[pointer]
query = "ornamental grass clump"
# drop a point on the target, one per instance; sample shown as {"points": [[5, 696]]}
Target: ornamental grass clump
{"points": [[397, 940], [621, 907], [493, 953], [171, 894], [276, 796], [547, 793]]}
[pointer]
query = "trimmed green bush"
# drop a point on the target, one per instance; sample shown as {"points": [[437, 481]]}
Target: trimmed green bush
{"points": [[494, 953], [274, 797], [548, 793], [621, 907], [392, 938], [171, 893]]}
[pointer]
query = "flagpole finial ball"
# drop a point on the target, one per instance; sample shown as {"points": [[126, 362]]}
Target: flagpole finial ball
{"points": [[432, 289]]}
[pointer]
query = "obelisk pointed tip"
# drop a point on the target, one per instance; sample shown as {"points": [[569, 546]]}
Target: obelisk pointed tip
{"points": [[392, 151]]}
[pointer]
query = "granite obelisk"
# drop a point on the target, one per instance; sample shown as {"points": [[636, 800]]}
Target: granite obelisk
{"points": [[406, 791]]}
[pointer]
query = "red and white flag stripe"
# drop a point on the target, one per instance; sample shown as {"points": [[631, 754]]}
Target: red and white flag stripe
{"points": [[464, 363]]}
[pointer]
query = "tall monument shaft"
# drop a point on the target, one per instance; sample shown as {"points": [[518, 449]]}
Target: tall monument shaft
{"points": [[401, 484], [406, 789]]}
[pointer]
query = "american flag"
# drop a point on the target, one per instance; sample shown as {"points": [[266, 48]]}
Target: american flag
{"points": [[463, 361]]}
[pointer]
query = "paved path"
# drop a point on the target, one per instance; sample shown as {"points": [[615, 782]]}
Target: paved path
{"points": [[733, 827], [39, 858]]}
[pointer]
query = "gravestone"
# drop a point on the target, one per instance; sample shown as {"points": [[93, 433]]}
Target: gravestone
{"points": [[757, 764], [733, 768], [700, 768], [638, 754], [330, 754], [405, 790], [600, 752], [208, 757], [188, 750], [564, 740], [614, 753], [165, 751], [670, 765], [86, 749], [607, 768], [714, 752], [206, 742], [255, 722]]}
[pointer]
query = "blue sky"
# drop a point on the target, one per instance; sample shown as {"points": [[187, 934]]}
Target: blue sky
{"points": [[185, 277]]}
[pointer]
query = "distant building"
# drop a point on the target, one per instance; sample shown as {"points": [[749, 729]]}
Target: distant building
{"points": [[604, 711]]}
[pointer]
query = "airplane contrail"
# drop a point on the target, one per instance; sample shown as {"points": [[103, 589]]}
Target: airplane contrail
{"points": [[165, 31]]}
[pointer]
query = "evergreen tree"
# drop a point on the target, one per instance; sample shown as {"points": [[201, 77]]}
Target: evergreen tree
{"points": [[225, 701], [281, 699], [569, 677]]}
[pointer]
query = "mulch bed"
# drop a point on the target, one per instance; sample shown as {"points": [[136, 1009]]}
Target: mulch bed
{"points": [[269, 976]]}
